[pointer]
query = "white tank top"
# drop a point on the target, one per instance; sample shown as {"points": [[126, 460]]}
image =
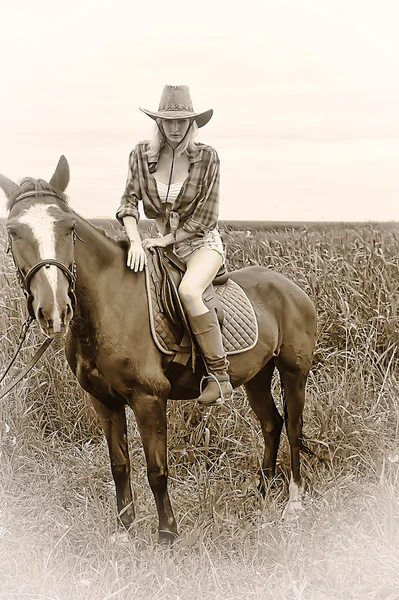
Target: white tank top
{"points": [[174, 190]]}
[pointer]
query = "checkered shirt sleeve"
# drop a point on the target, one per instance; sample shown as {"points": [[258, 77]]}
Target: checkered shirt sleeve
{"points": [[132, 194]]}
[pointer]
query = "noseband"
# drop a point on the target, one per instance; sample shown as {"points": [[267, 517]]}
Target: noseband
{"points": [[25, 280]]}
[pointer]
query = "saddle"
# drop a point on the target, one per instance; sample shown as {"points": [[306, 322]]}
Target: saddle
{"points": [[169, 269], [169, 324], [174, 269]]}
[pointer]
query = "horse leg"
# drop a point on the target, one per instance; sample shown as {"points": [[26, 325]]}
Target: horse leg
{"points": [[261, 401], [113, 423], [293, 374], [150, 415]]}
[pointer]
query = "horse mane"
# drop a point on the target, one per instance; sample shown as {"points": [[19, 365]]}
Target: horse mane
{"points": [[28, 184], [119, 239]]}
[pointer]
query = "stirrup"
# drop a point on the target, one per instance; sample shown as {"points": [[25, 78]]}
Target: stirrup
{"points": [[218, 379]]}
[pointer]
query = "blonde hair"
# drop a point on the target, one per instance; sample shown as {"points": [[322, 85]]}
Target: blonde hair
{"points": [[158, 141]]}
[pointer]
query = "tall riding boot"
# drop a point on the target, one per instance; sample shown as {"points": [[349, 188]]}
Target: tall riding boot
{"points": [[207, 332]]}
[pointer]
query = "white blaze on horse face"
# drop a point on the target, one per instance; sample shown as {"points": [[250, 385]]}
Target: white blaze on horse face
{"points": [[41, 223]]}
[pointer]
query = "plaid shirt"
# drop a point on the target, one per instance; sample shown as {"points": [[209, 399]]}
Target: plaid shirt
{"points": [[197, 202]]}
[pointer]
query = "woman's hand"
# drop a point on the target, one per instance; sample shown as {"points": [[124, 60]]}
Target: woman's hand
{"points": [[136, 258], [159, 242]]}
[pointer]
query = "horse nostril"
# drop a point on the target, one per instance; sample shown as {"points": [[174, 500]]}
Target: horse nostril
{"points": [[68, 309], [40, 315]]}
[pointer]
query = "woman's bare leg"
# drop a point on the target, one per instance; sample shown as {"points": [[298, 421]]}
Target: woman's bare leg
{"points": [[202, 267]]}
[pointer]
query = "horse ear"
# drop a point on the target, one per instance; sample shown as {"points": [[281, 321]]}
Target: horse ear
{"points": [[60, 179], [8, 186]]}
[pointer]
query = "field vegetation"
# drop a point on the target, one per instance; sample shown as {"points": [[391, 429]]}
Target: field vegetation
{"points": [[57, 504]]}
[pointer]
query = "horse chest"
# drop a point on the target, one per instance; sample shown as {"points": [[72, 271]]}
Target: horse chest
{"points": [[85, 369], [92, 380]]}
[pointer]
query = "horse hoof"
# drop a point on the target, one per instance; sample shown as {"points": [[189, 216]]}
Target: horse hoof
{"points": [[166, 538]]}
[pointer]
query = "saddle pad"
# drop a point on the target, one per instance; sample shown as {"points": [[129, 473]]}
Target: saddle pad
{"points": [[240, 327]]}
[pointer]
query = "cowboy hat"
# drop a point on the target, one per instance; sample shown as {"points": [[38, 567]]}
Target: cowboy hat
{"points": [[175, 103]]}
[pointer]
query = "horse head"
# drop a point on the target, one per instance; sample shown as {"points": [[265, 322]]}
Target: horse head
{"points": [[41, 238]]}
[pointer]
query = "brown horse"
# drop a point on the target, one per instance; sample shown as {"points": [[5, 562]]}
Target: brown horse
{"points": [[109, 345]]}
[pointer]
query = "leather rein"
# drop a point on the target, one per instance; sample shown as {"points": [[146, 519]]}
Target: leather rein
{"points": [[25, 282]]}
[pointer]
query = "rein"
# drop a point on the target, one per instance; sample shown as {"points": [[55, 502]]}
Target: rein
{"points": [[28, 367], [25, 281]]}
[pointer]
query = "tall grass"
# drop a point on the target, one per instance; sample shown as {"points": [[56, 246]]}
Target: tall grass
{"points": [[57, 511]]}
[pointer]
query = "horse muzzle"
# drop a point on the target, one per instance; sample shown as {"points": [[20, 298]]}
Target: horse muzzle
{"points": [[54, 319]]}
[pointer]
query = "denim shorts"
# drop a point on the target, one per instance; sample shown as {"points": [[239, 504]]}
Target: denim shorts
{"points": [[211, 240]]}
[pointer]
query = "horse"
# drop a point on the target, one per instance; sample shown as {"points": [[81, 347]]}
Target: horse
{"points": [[78, 287]]}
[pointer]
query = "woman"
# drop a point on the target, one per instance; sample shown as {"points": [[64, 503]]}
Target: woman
{"points": [[178, 182]]}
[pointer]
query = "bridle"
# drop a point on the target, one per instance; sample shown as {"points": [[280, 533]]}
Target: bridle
{"points": [[25, 280]]}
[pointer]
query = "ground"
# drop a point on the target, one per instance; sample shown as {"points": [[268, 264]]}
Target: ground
{"points": [[57, 504]]}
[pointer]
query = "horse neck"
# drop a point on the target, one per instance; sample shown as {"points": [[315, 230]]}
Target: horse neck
{"points": [[100, 261]]}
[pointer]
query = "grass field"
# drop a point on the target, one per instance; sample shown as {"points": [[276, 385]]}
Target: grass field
{"points": [[57, 505]]}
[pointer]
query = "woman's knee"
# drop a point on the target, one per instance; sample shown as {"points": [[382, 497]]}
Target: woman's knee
{"points": [[189, 294]]}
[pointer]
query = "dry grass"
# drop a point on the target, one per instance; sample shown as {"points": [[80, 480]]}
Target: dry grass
{"points": [[57, 511]]}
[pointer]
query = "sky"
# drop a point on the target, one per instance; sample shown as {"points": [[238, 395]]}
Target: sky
{"points": [[305, 97]]}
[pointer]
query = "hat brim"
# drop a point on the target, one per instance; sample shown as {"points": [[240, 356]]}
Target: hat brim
{"points": [[201, 118]]}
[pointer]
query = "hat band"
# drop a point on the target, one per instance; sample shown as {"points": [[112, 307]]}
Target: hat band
{"points": [[167, 107]]}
